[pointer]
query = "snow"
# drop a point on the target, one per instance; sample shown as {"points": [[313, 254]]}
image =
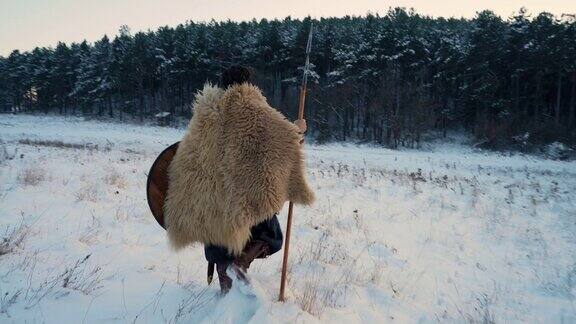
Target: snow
{"points": [[162, 114], [447, 234]]}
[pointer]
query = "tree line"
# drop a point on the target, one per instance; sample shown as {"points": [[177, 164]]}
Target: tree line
{"points": [[387, 79]]}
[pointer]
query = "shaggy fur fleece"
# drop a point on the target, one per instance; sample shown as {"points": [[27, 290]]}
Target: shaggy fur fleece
{"points": [[238, 163]]}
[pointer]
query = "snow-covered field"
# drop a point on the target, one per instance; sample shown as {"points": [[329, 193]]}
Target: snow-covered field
{"points": [[450, 235]]}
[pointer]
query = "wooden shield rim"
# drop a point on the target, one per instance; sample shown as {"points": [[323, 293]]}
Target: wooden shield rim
{"points": [[158, 218]]}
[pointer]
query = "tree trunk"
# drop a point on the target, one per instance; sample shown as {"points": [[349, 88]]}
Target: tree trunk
{"points": [[110, 112], [558, 100], [517, 93], [345, 123], [572, 101], [537, 100], [141, 99]]}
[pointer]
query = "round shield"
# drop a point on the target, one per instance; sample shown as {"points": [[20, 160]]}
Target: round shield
{"points": [[157, 184]]}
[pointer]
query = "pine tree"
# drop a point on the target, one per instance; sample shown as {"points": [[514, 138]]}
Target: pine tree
{"points": [[385, 78]]}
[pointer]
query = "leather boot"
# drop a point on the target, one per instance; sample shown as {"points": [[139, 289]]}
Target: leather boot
{"points": [[225, 280], [252, 250]]}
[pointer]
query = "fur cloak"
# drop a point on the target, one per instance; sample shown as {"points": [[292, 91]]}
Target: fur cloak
{"points": [[238, 163]]}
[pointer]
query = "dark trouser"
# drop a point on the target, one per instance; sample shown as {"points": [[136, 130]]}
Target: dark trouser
{"points": [[266, 239]]}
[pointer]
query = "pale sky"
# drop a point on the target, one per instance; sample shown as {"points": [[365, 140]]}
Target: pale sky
{"points": [[25, 24]]}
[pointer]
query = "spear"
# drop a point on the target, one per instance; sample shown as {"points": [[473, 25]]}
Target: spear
{"points": [[301, 102]]}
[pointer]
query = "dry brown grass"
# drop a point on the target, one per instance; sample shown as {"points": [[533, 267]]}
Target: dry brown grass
{"points": [[32, 176], [114, 178], [64, 145], [88, 192], [90, 236], [320, 290], [309, 298]]}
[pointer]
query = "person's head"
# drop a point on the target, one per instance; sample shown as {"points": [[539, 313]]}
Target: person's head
{"points": [[235, 74]]}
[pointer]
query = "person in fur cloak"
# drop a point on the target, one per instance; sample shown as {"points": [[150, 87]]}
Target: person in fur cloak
{"points": [[237, 165]]}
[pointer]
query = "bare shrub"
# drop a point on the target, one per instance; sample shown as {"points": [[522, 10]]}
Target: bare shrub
{"points": [[13, 238], [31, 176]]}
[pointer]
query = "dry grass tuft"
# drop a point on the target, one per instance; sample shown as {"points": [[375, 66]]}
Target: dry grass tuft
{"points": [[309, 300], [13, 238], [81, 277], [4, 155], [321, 290], [32, 176], [8, 299], [64, 145], [115, 179], [88, 192], [197, 299]]}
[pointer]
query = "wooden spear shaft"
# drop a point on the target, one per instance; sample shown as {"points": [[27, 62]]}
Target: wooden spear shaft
{"points": [[301, 103]]}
